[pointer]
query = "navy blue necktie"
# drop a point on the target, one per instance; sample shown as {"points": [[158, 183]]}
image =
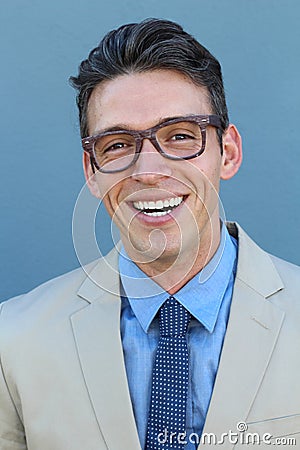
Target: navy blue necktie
{"points": [[167, 415]]}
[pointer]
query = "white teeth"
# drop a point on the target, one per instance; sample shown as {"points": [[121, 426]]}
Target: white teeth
{"points": [[159, 204], [152, 205], [157, 213]]}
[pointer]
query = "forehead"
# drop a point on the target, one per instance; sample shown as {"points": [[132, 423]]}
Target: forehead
{"points": [[140, 100]]}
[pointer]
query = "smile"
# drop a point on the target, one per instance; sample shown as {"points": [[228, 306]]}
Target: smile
{"points": [[158, 208]]}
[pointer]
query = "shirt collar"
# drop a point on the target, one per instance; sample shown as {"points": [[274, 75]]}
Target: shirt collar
{"points": [[201, 296]]}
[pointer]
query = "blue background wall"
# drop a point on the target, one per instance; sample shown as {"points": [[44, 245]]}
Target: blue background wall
{"points": [[42, 43]]}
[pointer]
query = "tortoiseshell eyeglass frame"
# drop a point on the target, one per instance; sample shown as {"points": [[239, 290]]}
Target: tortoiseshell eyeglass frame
{"points": [[202, 120]]}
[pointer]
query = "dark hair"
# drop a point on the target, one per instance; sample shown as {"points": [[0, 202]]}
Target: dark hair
{"points": [[146, 46]]}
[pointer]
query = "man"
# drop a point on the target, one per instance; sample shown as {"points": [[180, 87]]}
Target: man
{"points": [[187, 332]]}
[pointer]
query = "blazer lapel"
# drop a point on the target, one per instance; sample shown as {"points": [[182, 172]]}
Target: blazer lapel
{"points": [[253, 328], [97, 336]]}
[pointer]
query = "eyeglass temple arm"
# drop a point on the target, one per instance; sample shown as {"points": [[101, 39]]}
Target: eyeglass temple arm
{"points": [[92, 165], [215, 121]]}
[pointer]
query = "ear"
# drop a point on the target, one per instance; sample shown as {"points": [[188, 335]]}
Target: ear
{"points": [[232, 152], [90, 176]]}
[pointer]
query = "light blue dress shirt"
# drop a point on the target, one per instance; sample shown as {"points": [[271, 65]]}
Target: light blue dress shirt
{"points": [[207, 296]]}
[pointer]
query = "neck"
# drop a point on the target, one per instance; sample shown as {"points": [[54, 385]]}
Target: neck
{"points": [[173, 273]]}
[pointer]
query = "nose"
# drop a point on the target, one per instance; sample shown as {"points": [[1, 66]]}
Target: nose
{"points": [[151, 166]]}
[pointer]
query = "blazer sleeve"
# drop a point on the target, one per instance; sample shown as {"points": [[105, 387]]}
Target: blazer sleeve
{"points": [[12, 435]]}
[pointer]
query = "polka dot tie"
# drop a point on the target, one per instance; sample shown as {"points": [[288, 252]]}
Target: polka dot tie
{"points": [[166, 421]]}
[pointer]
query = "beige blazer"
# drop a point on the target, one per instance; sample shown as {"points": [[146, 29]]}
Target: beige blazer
{"points": [[63, 383]]}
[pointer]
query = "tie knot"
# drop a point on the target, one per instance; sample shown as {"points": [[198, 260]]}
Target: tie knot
{"points": [[173, 318]]}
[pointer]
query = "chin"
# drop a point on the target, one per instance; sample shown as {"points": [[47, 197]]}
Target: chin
{"points": [[155, 247]]}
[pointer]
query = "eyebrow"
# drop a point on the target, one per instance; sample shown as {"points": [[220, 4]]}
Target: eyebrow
{"points": [[122, 126]]}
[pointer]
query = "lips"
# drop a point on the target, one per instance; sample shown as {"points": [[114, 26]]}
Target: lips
{"points": [[158, 208]]}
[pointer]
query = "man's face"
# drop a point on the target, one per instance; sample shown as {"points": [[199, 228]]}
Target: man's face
{"points": [[188, 188]]}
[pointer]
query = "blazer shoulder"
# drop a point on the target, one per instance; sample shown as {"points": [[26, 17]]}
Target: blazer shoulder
{"points": [[285, 267], [52, 296], [289, 272], [288, 298]]}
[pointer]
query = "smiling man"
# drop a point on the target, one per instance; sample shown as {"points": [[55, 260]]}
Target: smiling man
{"points": [[160, 182], [187, 332]]}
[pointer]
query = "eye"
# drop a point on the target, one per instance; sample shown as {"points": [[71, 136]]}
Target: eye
{"points": [[114, 144], [181, 137], [114, 147]]}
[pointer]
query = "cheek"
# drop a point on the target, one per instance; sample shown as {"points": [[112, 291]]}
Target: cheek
{"points": [[206, 175], [112, 191], [107, 185], [212, 170]]}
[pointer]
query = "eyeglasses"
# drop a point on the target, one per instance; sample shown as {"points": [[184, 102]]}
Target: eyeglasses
{"points": [[179, 138]]}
